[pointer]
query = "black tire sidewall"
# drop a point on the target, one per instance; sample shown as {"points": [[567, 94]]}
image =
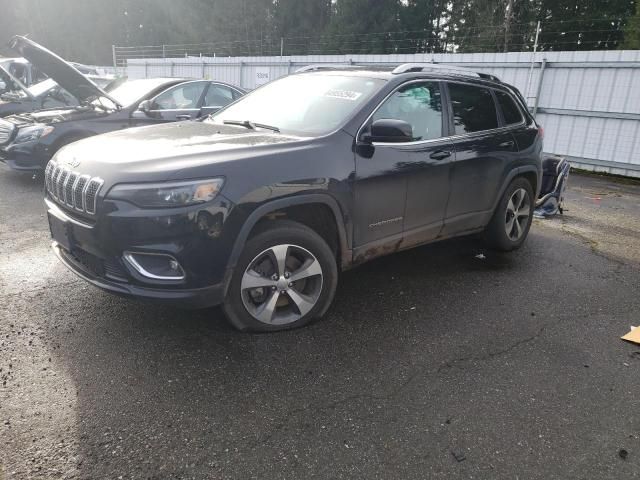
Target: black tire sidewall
{"points": [[495, 234], [280, 232]]}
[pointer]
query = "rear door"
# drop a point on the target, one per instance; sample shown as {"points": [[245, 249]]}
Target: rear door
{"points": [[182, 102], [483, 149]]}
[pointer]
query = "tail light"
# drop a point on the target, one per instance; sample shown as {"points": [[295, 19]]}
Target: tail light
{"points": [[540, 132]]}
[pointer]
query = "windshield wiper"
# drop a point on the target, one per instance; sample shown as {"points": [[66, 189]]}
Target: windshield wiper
{"points": [[251, 125]]}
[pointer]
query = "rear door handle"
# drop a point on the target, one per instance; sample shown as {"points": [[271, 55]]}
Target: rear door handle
{"points": [[508, 143], [440, 155], [183, 117]]}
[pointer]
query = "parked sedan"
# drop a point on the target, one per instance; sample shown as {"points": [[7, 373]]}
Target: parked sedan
{"points": [[28, 141], [18, 98]]}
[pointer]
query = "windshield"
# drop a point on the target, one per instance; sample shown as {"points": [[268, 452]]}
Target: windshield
{"points": [[10, 86], [126, 94], [307, 104]]}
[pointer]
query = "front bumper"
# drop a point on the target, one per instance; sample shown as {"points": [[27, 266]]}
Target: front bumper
{"points": [[28, 156], [94, 249], [189, 298]]}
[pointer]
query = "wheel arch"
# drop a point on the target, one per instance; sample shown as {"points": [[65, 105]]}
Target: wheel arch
{"points": [[273, 206], [529, 172]]}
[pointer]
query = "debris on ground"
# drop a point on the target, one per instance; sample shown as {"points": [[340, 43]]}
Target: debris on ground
{"points": [[481, 256], [622, 453], [633, 336], [458, 455]]}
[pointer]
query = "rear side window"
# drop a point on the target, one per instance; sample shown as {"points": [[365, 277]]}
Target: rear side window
{"points": [[473, 108], [219, 96], [510, 110]]}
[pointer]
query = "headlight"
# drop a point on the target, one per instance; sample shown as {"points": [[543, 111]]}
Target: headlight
{"points": [[169, 194], [32, 133]]}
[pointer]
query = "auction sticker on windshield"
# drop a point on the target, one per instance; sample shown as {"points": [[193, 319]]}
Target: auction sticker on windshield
{"points": [[343, 94]]}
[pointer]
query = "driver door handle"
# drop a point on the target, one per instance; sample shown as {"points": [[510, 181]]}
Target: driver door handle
{"points": [[183, 117], [440, 155]]}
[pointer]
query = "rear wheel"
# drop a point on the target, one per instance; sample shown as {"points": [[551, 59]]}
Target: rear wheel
{"points": [[510, 224], [286, 276]]}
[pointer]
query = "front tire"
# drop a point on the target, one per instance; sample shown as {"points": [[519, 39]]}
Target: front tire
{"points": [[286, 276], [511, 221]]}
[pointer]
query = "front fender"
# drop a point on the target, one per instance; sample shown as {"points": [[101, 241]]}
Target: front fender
{"points": [[273, 205]]}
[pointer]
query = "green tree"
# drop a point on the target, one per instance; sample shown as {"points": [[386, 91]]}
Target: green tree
{"points": [[583, 24], [632, 32], [425, 25], [301, 22], [357, 26]]}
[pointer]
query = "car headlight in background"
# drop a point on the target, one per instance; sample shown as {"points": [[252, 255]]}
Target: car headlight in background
{"points": [[29, 134], [167, 194]]}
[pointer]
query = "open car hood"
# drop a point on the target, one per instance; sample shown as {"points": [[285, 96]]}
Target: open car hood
{"points": [[65, 75], [10, 80]]}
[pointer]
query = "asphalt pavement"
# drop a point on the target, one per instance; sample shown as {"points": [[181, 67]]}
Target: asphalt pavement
{"points": [[435, 363]]}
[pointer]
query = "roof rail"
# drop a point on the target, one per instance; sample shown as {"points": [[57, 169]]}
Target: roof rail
{"points": [[322, 66], [421, 67]]}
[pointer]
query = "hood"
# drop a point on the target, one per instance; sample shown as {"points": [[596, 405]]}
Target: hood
{"points": [[10, 81], [158, 151], [56, 68]]}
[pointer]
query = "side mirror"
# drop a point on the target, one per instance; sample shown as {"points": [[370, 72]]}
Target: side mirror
{"points": [[391, 131], [145, 106]]}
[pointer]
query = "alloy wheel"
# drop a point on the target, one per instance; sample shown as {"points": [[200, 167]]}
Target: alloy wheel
{"points": [[281, 284], [517, 215]]}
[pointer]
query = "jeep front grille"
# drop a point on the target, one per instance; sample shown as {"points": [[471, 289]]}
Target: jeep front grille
{"points": [[6, 130], [72, 189]]}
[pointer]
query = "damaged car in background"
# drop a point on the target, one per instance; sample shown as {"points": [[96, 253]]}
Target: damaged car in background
{"points": [[15, 97], [29, 140]]}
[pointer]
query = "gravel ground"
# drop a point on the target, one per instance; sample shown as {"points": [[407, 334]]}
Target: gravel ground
{"points": [[432, 364]]}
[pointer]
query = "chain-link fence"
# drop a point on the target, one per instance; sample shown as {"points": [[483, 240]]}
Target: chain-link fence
{"points": [[578, 35]]}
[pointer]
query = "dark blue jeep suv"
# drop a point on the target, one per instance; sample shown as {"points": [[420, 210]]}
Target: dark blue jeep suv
{"points": [[260, 205]]}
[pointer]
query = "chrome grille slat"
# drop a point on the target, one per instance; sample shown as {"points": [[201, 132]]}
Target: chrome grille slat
{"points": [[60, 184], [72, 189], [54, 179], [47, 176], [77, 192], [72, 179], [91, 195]]}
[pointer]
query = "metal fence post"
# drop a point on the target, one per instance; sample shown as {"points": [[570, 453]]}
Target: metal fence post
{"points": [[281, 46], [533, 58], [172, 65], [241, 68], [115, 58], [543, 65]]}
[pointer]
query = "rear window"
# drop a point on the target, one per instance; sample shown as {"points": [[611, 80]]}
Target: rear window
{"points": [[510, 110], [473, 108]]}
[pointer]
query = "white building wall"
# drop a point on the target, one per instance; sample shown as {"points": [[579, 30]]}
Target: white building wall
{"points": [[589, 102]]}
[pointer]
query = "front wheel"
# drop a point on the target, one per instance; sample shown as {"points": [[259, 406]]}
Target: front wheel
{"points": [[286, 276], [511, 220]]}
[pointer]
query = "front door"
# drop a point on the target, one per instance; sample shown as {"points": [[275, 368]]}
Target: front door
{"points": [[182, 102], [403, 186]]}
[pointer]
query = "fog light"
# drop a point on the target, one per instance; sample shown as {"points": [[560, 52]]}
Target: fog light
{"points": [[157, 266]]}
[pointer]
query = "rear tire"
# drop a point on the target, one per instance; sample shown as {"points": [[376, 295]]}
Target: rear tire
{"points": [[286, 277], [511, 221]]}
